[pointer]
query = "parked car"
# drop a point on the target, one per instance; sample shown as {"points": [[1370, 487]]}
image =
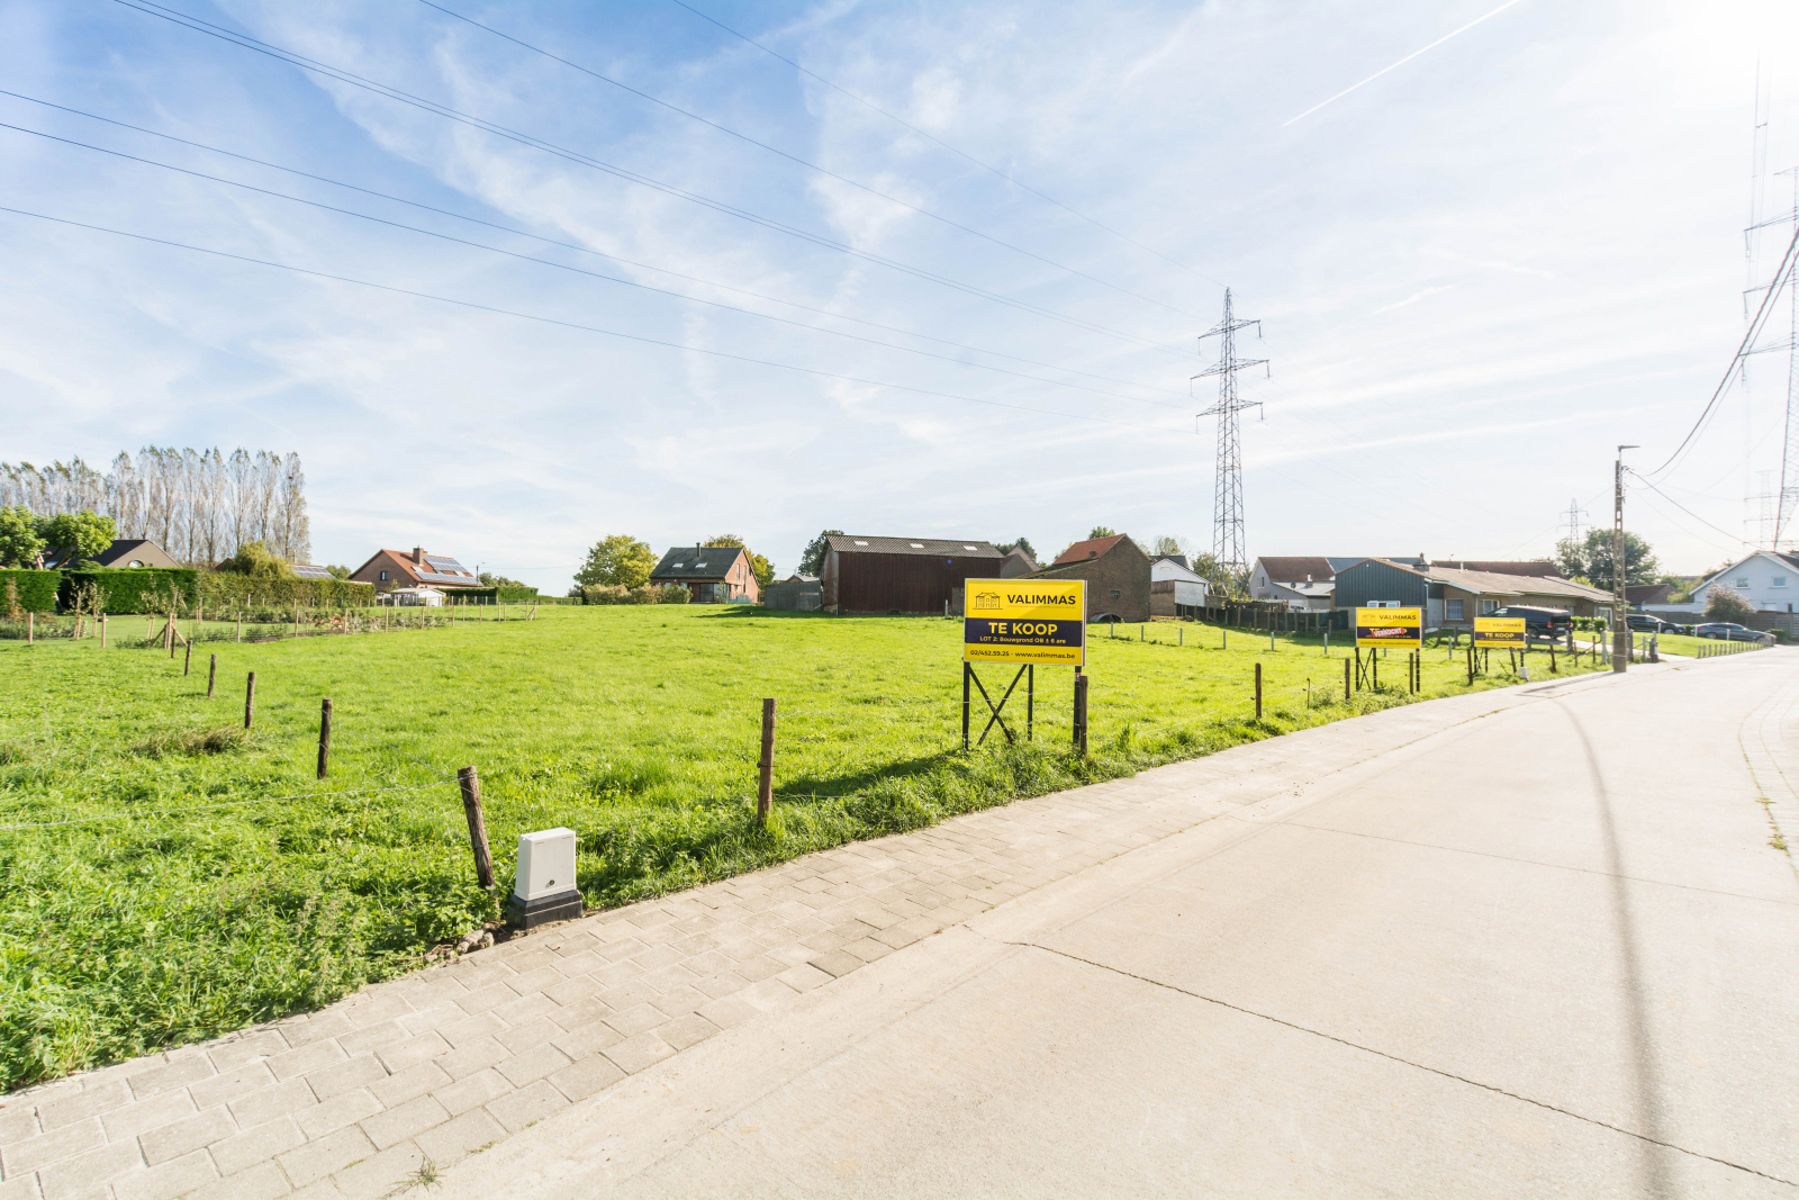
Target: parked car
{"points": [[1730, 631], [1540, 624], [1650, 623]]}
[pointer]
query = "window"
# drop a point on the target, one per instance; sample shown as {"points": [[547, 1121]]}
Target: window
{"points": [[1742, 581], [1778, 581], [1455, 610], [384, 576], [1116, 593], [1488, 607]]}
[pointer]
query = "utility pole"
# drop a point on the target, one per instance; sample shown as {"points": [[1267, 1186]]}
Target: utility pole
{"points": [[1620, 629], [1227, 499]]}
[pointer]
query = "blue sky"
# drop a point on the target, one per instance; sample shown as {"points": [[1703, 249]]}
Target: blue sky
{"points": [[1477, 273]]}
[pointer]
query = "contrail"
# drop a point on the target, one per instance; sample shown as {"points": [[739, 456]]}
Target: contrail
{"points": [[1402, 62]]}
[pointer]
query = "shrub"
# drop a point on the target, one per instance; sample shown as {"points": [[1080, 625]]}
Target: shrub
{"points": [[673, 593], [1726, 605], [131, 589], [642, 595], [604, 593], [36, 590]]}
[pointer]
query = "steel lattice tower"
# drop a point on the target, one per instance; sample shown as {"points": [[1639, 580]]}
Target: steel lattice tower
{"points": [[1786, 500], [1227, 500]]}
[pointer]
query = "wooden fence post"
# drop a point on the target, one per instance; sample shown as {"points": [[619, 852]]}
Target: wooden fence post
{"points": [[1258, 691], [187, 659], [240, 624], [1346, 681], [324, 737], [765, 766], [249, 699], [212, 675], [31, 627], [1080, 712], [477, 826]]}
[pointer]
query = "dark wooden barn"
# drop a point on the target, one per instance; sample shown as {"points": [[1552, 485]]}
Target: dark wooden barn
{"points": [[901, 575]]}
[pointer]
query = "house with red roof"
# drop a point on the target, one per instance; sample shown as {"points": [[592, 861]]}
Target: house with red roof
{"points": [[1117, 573], [391, 569]]}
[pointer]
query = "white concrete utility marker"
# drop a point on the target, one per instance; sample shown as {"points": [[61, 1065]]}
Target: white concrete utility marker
{"points": [[546, 889]]}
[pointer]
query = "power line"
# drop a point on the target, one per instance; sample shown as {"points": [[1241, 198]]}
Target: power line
{"points": [[1749, 335], [1689, 512], [497, 310], [794, 158], [871, 106], [547, 262], [314, 66], [565, 245]]}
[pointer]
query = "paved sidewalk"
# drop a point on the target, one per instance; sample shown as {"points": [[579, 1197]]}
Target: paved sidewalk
{"points": [[354, 1100]]}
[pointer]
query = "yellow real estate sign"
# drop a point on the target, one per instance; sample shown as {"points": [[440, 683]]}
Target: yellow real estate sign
{"points": [[1025, 621], [1389, 627], [1498, 633]]}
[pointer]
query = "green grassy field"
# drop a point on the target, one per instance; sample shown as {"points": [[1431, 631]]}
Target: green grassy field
{"points": [[164, 878]]}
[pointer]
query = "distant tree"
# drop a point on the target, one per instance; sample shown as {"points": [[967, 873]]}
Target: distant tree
{"points": [[193, 503], [1221, 583], [337, 572], [617, 560], [1591, 559], [760, 567], [1100, 531], [1167, 544], [20, 542], [1724, 604], [1023, 543], [78, 535], [491, 580], [812, 560], [258, 561], [1680, 587]]}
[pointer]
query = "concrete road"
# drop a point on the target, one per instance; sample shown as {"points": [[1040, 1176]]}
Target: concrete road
{"points": [[1547, 950]]}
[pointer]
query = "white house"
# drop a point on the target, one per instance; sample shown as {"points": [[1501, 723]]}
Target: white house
{"points": [[1767, 579], [1189, 588]]}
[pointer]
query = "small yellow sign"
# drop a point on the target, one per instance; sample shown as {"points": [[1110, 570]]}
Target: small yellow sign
{"points": [[1025, 621], [1389, 627], [1498, 633]]}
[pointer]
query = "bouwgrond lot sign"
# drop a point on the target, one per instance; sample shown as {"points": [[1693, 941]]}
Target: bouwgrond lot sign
{"points": [[1025, 621], [1402, 627]]}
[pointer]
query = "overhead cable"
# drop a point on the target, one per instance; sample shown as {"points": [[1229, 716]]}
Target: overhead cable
{"points": [[559, 266], [577, 247], [1783, 276], [928, 136], [558, 322], [808, 164], [314, 66]]}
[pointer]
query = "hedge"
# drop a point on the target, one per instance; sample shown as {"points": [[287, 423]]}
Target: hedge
{"points": [[131, 589], [224, 591], [34, 590]]}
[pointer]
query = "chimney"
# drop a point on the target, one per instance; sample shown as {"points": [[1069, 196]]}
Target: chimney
{"points": [[1308, 577], [418, 556]]}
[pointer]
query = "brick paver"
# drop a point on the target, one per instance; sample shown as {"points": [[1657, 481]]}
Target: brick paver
{"points": [[352, 1100]]}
